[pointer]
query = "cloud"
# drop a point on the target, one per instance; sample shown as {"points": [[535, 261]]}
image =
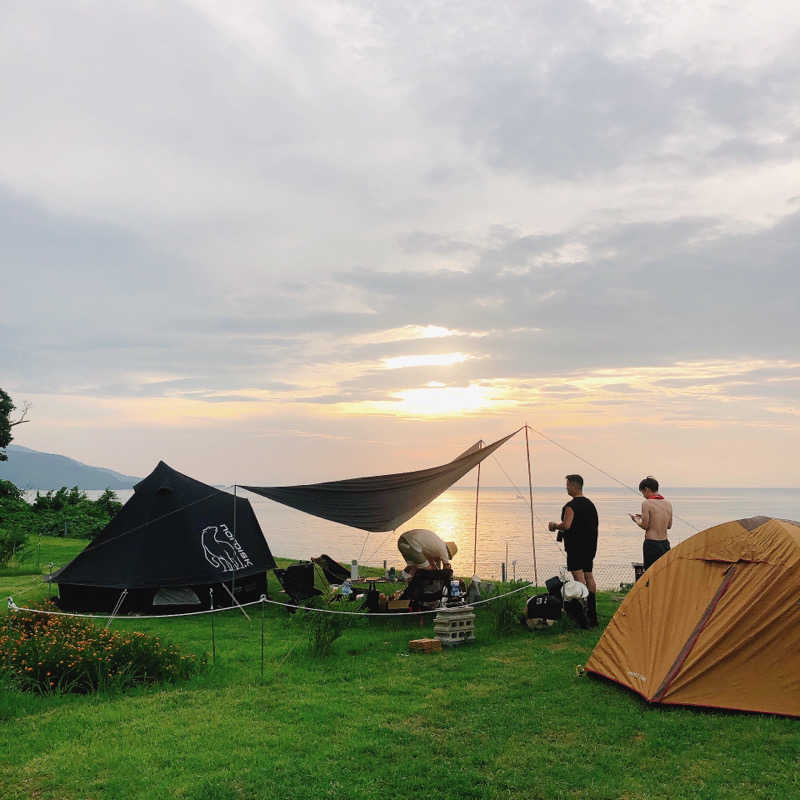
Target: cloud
{"points": [[255, 211]]}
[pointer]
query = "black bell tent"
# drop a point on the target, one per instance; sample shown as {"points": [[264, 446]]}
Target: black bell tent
{"points": [[174, 540]]}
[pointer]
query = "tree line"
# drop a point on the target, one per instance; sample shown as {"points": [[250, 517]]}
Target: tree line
{"points": [[64, 512]]}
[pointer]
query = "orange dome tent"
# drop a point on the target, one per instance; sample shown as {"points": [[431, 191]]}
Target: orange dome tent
{"points": [[715, 622]]}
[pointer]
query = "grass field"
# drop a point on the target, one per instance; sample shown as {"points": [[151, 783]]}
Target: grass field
{"points": [[506, 717]]}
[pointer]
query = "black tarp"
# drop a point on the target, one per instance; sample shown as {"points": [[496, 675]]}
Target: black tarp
{"points": [[381, 502], [173, 532]]}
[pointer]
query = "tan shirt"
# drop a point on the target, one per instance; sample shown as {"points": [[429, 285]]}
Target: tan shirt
{"points": [[656, 518], [424, 548]]}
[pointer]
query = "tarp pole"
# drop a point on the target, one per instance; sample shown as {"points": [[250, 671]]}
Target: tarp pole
{"points": [[475, 543], [530, 494]]}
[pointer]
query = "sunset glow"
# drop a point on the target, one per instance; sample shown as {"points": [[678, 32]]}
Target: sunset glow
{"points": [[391, 231]]}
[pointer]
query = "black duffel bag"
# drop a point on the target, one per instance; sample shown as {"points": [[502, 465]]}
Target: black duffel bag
{"points": [[544, 606]]}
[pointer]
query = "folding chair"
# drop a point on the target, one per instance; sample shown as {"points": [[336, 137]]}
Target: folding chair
{"points": [[297, 580]]}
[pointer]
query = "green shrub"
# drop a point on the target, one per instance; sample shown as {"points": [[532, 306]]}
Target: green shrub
{"points": [[324, 629], [54, 654], [504, 612], [12, 543]]}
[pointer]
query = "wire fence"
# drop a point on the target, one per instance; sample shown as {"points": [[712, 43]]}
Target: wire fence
{"points": [[608, 577]]}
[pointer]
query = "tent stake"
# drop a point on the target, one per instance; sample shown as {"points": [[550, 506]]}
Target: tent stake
{"points": [[530, 494], [213, 641]]}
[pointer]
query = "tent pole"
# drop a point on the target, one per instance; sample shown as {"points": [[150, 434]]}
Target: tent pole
{"points": [[120, 601], [233, 573], [530, 494], [475, 543], [213, 639]]}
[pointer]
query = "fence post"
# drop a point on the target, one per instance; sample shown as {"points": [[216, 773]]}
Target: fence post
{"points": [[263, 598]]}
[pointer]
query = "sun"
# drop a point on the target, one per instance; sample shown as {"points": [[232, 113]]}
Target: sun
{"points": [[434, 399], [442, 401]]}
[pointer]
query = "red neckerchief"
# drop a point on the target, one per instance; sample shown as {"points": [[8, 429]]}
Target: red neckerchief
{"points": [[656, 497]]}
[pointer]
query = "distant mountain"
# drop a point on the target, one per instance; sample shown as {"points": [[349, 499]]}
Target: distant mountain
{"points": [[30, 469]]}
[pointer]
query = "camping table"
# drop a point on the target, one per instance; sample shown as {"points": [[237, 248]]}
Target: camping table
{"points": [[370, 582]]}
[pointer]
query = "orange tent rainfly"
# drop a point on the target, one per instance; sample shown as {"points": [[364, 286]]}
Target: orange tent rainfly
{"points": [[715, 622]]}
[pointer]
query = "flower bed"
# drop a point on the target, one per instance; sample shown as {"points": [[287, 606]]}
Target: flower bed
{"points": [[53, 654]]}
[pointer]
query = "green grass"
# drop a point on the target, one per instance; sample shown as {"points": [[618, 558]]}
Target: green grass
{"points": [[504, 718]]}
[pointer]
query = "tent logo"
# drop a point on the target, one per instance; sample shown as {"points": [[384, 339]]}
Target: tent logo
{"points": [[222, 550], [638, 675]]}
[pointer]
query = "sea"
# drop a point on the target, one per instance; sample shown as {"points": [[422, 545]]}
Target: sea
{"points": [[501, 532]]}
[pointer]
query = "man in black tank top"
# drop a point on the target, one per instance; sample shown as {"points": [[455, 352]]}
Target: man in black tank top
{"points": [[578, 528]]}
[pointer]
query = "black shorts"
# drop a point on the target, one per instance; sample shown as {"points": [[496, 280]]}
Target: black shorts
{"points": [[581, 559], [652, 550]]}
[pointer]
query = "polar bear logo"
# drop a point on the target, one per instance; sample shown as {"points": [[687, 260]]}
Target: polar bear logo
{"points": [[220, 548]]}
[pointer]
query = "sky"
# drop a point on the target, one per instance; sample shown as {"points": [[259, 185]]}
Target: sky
{"points": [[288, 242]]}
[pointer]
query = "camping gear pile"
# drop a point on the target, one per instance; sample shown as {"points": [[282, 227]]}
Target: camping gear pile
{"points": [[454, 594], [563, 595]]}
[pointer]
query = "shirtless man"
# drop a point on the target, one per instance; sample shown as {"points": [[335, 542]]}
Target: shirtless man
{"points": [[655, 520]]}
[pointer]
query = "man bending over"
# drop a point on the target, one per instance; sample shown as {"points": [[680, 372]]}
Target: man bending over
{"points": [[423, 549]]}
